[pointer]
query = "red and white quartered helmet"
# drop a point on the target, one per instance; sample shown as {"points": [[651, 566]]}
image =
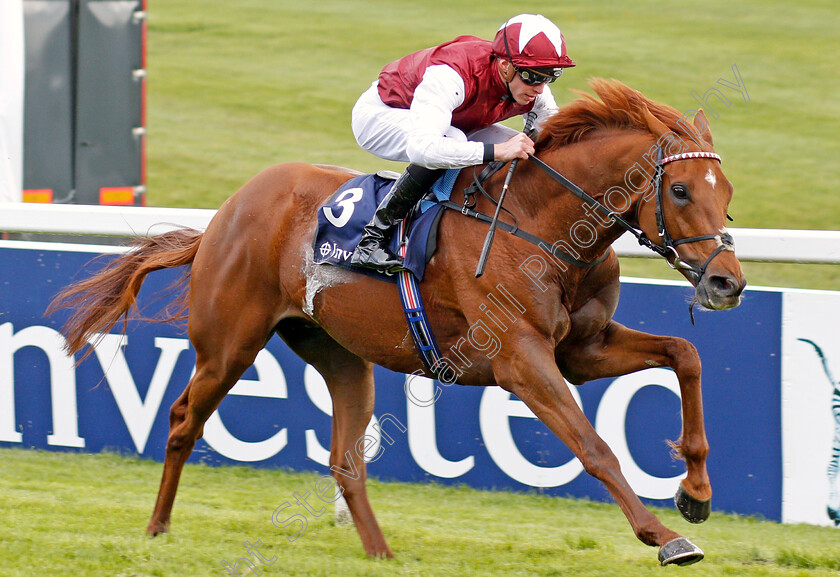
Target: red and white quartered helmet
{"points": [[532, 41]]}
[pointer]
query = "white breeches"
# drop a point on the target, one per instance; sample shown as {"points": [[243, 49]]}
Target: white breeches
{"points": [[382, 130]]}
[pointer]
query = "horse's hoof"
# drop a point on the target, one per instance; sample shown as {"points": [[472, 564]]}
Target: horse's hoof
{"points": [[155, 529], [679, 551], [694, 510], [380, 553]]}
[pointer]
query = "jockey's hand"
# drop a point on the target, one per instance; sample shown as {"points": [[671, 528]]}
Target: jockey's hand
{"points": [[519, 146]]}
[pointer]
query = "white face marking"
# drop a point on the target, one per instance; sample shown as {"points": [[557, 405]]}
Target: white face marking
{"points": [[710, 178]]}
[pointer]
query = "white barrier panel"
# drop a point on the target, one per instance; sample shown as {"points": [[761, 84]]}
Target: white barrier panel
{"points": [[765, 244], [751, 244], [100, 220], [811, 408]]}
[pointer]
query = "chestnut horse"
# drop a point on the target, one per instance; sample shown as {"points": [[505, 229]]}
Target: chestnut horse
{"points": [[252, 275]]}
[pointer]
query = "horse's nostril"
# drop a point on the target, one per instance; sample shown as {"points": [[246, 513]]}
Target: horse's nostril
{"points": [[725, 286]]}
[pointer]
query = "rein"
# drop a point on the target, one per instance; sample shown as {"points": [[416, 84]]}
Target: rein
{"points": [[666, 250], [668, 247], [516, 231]]}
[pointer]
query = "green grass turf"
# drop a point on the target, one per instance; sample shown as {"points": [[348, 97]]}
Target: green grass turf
{"points": [[236, 87], [71, 514]]}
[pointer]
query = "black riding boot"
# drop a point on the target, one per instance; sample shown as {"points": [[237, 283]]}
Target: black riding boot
{"points": [[372, 251]]}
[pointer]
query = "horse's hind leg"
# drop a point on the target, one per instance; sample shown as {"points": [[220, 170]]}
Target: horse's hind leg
{"points": [[226, 345], [350, 381], [186, 423], [619, 351]]}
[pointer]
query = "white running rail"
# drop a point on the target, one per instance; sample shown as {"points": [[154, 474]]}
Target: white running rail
{"points": [[751, 244]]}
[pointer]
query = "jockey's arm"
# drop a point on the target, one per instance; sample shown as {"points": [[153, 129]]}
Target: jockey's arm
{"points": [[519, 145], [435, 98]]}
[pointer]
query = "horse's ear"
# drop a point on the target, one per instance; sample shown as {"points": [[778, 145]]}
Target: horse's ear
{"points": [[701, 123], [656, 126]]}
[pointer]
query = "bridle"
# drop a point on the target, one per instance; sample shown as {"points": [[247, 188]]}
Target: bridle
{"points": [[723, 238], [668, 248]]}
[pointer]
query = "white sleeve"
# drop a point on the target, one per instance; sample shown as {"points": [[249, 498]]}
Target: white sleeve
{"points": [[435, 98], [544, 106]]}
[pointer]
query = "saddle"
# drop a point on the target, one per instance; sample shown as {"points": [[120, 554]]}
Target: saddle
{"points": [[342, 218]]}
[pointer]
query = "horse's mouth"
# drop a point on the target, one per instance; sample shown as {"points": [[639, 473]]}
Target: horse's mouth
{"points": [[719, 305], [719, 293]]}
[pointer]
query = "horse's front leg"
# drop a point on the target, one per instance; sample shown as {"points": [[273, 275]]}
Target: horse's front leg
{"points": [[531, 373], [617, 351]]}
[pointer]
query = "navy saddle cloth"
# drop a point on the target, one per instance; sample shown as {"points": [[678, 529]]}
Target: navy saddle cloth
{"points": [[345, 214]]}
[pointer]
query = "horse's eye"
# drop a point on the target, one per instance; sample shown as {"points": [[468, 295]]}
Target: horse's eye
{"points": [[680, 191]]}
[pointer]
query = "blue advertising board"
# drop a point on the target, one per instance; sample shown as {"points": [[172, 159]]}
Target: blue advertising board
{"points": [[278, 415]]}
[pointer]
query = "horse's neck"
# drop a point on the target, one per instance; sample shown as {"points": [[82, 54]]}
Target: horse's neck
{"points": [[610, 169]]}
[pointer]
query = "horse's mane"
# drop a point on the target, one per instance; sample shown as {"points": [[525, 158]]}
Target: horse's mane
{"points": [[619, 107]]}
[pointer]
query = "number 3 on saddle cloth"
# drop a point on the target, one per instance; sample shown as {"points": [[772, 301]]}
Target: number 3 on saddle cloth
{"points": [[340, 223]]}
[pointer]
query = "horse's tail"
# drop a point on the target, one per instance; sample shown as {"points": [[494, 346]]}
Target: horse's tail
{"points": [[101, 300]]}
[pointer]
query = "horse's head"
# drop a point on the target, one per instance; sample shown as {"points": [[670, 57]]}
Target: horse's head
{"points": [[685, 211], [656, 168]]}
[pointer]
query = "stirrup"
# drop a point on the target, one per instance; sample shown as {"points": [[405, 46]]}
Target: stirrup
{"points": [[378, 258]]}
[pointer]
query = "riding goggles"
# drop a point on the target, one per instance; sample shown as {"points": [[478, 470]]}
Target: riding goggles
{"points": [[533, 77]]}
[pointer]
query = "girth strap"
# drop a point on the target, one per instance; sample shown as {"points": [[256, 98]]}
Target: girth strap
{"points": [[415, 312]]}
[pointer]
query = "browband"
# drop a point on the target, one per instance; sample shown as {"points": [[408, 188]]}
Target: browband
{"points": [[685, 155]]}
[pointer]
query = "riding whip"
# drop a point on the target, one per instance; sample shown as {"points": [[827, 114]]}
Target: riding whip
{"points": [[488, 241]]}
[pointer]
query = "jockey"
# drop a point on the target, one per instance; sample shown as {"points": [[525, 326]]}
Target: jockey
{"points": [[438, 109]]}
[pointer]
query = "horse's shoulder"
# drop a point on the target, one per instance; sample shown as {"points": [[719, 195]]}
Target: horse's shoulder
{"points": [[598, 290]]}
